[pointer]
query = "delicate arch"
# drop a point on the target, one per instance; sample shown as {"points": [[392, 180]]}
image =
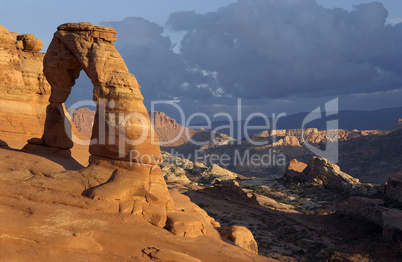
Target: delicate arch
{"points": [[82, 46]]}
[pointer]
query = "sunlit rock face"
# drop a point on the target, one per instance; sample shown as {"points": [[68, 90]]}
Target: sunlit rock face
{"points": [[24, 91], [123, 140]]}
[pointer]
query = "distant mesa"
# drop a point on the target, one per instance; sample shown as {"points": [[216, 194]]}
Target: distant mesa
{"points": [[293, 137]]}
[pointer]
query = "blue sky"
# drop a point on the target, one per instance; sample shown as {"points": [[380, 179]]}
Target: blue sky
{"points": [[278, 56], [42, 17]]}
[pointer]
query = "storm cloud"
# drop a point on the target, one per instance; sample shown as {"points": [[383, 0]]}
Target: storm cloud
{"points": [[276, 48], [288, 53], [150, 56]]}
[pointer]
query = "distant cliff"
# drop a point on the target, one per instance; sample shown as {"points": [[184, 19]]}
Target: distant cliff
{"points": [[169, 132]]}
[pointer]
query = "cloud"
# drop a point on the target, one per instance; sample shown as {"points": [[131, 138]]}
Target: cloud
{"points": [[278, 48], [278, 55], [162, 73]]}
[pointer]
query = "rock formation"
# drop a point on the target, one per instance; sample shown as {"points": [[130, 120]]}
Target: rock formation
{"points": [[215, 173], [322, 172], [296, 170], [24, 90], [393, 188], [83, 119], [232, 191], [123, 140], [241, 237], [392, 225], [292, 137], [287, 141], [370, 209], [45, 217], [330, 174], [390, 219], [170, 133], [183, 171]]}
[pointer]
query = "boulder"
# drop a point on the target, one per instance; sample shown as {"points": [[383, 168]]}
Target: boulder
{"points": [[393, 188], [330, 174], [28, 42], [241, 237], [296, 170]]}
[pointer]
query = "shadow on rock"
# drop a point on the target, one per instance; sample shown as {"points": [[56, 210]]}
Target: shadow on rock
{"points": [[60, 156]]}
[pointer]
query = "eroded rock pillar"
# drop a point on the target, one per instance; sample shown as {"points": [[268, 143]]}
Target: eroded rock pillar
{"points": [[124, 141]]}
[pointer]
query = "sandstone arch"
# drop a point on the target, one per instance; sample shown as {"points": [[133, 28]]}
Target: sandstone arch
{"points": [[121, 119], [82, 46]]}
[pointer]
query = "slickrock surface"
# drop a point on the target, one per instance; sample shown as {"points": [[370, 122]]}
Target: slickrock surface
{"points": [[24, 91], [125, 155], [45, 217]]}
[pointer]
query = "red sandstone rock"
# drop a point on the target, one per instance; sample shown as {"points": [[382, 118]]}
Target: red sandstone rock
{"points": [[28, 42], [24, 90], [330, 174], [124, 140], [170, 133], [241, 237], [296, 170], [83, 119]]}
